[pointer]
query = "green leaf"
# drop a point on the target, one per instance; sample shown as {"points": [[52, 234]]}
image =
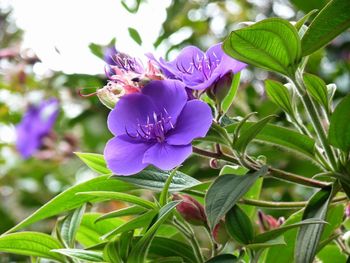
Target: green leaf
{"points": [[139, 252], [224, 193], [127, 211], [272, 234], [224, 258], [216, 134], [168, 260], [331, 254], [332, 20], [238, 225], [111, 252], [309, 235], [90, 256], [305, 18], [272, 44], [96, 162], [106, 195], [228, 100], [280, 95], [317, 89], [163, 197], [339, 128], [97, 50], [138, 222], [125, 243], [281, 137], [90, 231], [69, 226], [68, 200], [135, 35], [132, 9], [244, 138], [31, 244], [154, 179], [270, 243]]}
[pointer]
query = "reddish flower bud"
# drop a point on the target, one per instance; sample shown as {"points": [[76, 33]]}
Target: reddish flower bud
{"points": [[190, 209], [267, 222], [220, 234]]}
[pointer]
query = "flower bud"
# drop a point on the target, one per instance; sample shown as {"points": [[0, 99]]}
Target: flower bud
{"points": [[190, 209], [220, 234], [222, 87], [267, 222], [110, 94]]}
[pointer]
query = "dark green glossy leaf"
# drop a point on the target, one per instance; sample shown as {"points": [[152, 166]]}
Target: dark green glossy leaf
{"points": [[224, 193], [281, 137], [317, 89], [331, 21], [154, 179], [339, 128], [280, 95], [272, 44], [135, 35], [309, 235], [239, 226], [31, 244], [68, 200]]}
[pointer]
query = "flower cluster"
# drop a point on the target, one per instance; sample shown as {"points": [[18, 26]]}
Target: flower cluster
{"points": [[154, 117]]}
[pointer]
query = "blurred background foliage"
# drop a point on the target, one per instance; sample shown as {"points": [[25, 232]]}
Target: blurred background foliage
{"points": [[26, 185]]}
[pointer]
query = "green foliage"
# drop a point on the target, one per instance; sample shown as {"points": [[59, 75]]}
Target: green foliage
{"points": [[329, 23], [135, 35], [96, 162], [224, 258], [272, 44], [224, 193], [228, 100], [317, 89], [90, 256]]}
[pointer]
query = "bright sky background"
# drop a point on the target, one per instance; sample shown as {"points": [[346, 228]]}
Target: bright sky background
{"points": [[70, 25]]}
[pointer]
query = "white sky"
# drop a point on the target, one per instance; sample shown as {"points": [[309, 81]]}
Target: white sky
{"points": [[70, 25]]}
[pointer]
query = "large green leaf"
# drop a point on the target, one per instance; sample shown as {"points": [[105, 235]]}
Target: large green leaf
{"points": [[309, 235], [224, 193], [31, 244], [154, 179], [139, 251], [281, 137], [332, 20], [339, 128], [68, 200], [272, 44]]}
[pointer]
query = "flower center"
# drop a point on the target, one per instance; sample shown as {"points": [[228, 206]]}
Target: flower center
{"points": [[156, 127]]}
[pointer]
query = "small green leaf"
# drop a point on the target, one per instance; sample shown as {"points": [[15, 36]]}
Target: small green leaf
{"points": [[228, 100], [134, 8], [31, 244], [270, 243], [69, 226], [106, 195], [239, 226], [280, 95], [339, 128], [125, 242], [154, 179], [309, 235], [96, 162], [224, 258], [127, 211], [305, 18], [272, 44], [245, 138], [111, 252], [281, 137], [135, 35], [68, 200], [90, 256], [224, 193], [97, 50], [273, 234], [139, 252], [317, 89], [331, 21]]}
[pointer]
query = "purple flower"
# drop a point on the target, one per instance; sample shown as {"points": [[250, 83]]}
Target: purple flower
{"points": [[35, 125], [199, 70], [154, 127], [109, 53]]}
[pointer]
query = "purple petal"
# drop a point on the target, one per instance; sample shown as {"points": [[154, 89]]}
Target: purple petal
{"points": [[131, 110], [165, 156], [170, 95], [124, 155], [163, 65], [193, 122]]}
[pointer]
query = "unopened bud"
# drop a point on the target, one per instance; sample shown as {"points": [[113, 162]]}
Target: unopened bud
{"points": [[220, 234], [190, 209], [267, 222], [213, 163], [222, 87], [110, 94]]}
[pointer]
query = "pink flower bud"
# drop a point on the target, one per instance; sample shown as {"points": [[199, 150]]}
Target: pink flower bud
{"points": [[190, 209], [220, 234], [267, 222]]}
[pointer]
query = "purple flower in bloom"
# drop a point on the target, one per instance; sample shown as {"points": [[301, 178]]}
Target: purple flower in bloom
{"points": [[36, 124], [154, 127], [199, 70]]}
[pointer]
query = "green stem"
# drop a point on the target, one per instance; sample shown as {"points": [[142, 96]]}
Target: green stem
{"points": [[276, 173], [314, 117]]}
